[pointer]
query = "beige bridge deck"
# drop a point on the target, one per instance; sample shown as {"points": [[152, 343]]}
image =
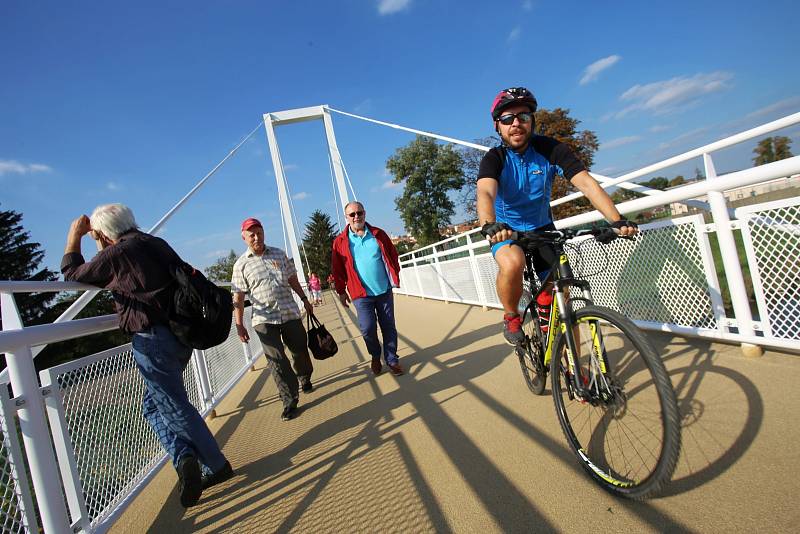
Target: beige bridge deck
{"points": [[458, 444]]}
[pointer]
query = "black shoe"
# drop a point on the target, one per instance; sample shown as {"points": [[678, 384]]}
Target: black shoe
{"points": [[190, 485], [220, 476], [308, 387], [288, 413]]}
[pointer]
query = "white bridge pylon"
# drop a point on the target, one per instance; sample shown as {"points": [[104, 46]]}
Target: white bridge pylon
{"points": [[279, 118]]}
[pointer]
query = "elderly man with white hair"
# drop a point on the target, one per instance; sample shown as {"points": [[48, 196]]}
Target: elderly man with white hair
{"points": [[135, 266]]}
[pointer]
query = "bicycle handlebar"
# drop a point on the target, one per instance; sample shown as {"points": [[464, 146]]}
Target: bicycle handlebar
{"points": [[604, 235]]}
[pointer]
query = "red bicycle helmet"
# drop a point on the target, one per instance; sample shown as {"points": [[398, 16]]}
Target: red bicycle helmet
{"points": [[511, 97]]}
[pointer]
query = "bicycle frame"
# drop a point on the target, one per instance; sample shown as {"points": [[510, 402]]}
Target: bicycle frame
{"points": [[558, 281]]}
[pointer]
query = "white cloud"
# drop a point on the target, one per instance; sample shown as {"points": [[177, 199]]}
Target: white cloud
{"points": [[388, 7], [390, 185], [514, 35], [591, 72], [786, 106], [672, 95], [113, 186], [10, 166], [659, 128], [527, 5], [302, 195], [290, 167], [620, 141]]}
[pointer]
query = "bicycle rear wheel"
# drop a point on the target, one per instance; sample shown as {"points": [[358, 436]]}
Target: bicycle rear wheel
{"points": [[531, 352], [625, 430]]}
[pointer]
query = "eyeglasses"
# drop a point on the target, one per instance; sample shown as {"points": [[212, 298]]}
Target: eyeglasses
{"points": [[353, 214], [508, 119]]}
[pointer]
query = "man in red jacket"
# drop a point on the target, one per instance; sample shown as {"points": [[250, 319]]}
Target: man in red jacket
{"points": [[364, 262]]}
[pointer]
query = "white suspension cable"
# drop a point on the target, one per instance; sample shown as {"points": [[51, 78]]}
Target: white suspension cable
{"points": [[420, 132], [188, 195], [81, 302]]}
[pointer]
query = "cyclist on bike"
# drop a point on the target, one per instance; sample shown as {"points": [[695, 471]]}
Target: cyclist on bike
{"points": [[515, 182]]}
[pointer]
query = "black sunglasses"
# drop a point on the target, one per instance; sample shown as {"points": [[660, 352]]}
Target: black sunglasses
{"points": [[359, 213], [523, 116]]}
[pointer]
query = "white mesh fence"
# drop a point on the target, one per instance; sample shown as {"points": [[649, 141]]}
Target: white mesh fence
{"points": [[16, 508], [113, 445], [771, 234], [665, 276]]}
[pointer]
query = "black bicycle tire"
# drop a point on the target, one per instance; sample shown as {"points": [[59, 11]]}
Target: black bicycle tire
{"points": [[536, 383], [670, 419]]}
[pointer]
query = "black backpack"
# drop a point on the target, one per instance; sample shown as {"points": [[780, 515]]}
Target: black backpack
{"points": [[201, 311]]}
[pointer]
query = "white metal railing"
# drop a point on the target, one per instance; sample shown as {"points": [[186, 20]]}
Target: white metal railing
{"points": [[97, 439]]}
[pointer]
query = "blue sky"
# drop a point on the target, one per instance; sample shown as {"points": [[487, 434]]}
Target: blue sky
{"points": [[135, 102]]}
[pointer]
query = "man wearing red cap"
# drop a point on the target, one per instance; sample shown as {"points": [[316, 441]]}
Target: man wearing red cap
{"points": [[269, 277]]}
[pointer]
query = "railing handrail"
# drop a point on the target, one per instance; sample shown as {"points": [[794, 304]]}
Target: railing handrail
{"points": [[54, 332], [735, 139], [53, 286], [724, 182]]}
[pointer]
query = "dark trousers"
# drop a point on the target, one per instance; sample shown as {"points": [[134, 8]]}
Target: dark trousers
{"points": [[374, 311], [273, 337]]}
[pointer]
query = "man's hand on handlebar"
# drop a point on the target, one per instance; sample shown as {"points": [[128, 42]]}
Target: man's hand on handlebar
{"points": [[497, 232]]}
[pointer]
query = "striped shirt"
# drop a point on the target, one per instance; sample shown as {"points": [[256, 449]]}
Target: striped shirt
{"points": [[265, 279]]}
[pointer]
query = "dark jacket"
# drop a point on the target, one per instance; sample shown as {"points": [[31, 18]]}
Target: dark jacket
{"points": [[343, 268], [136, 270]]}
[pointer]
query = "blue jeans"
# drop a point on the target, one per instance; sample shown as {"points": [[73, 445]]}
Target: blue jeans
{"points": [[161, 359], [373, 311]]}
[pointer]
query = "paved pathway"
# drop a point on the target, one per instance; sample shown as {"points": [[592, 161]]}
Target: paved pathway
{"points": [[458, 444]]}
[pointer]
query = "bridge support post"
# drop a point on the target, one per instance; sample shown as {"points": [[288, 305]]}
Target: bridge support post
{"points": [[731, 262]]}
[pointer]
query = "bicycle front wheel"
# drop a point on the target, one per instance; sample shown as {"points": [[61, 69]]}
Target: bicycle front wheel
{"points": [[624, 427], [531, 353]]}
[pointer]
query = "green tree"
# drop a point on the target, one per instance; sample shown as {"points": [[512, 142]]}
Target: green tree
{"points": [[317, 242], [659, 182], [472, 161], [222, 269], [19, 260], [558, 124], [772, 149], [678, 180], [429, 171]]}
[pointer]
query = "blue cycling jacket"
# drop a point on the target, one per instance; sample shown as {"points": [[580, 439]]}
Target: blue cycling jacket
{"points": [[525, 181]]}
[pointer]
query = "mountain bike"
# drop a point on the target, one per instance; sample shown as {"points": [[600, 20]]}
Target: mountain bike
{"points": [[612, 394]]}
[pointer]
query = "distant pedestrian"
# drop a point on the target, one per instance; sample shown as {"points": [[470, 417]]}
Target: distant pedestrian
{"points": [[269, 277], [135, 266], [365, 265], [315, 285]]}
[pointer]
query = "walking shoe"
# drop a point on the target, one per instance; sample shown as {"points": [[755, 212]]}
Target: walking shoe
{"points": [[512, 329], [190, 485], [220, 476], [308, 387], [287, 414], [395, 368], [377, 367]]}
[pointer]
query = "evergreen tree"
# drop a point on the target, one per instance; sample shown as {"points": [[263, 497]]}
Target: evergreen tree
{"points": [[429, 171], [19, 260], [772, 149], [222, 269], [317, 242]]}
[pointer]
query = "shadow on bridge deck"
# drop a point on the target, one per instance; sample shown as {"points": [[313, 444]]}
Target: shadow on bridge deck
{"points": [[458, 444]]}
